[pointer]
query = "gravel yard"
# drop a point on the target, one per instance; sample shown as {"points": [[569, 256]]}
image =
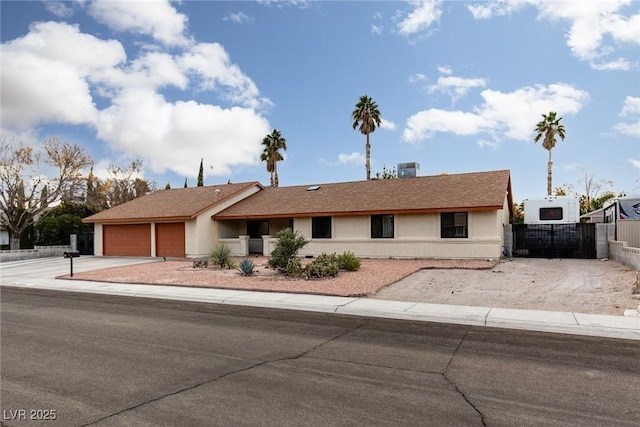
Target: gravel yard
{"points": [[585, 286], [373, 275]]}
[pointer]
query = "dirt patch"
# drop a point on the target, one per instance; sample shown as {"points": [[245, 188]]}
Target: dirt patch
{"points": [[583, 286]]}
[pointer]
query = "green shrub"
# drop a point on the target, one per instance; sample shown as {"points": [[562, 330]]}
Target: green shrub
{"points": [[294, 268], [325, 265], [349, 261], [221, 255], [286, 249], [247, 267]]}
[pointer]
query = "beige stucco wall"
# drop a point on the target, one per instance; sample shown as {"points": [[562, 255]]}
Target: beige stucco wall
{"points": [[416, 236], [349, 227], [97, 240], [202, 233]]}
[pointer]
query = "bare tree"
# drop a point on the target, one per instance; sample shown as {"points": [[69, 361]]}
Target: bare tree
{"points": [[592, 193], [124, 183], [25, 188]]}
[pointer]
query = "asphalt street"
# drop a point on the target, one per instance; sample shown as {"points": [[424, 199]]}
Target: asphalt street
{"points": [[100, 360]]}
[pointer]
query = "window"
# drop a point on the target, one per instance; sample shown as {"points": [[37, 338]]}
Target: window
{"points": [[321, 227], [382, 226], [550, 214], [453, 225]]}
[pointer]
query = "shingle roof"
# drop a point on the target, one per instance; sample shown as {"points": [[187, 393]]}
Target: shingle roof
{"points": [[479, 190], [175, 204]]}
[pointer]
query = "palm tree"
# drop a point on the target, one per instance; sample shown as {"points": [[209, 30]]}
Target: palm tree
{"points": [[367, 116], [547, 129], [273, 143]]}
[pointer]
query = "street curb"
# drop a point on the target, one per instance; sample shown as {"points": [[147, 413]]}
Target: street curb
{"points": [[530, 320]]}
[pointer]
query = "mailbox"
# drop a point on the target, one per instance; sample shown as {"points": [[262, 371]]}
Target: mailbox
{"points": [[71, 254]]}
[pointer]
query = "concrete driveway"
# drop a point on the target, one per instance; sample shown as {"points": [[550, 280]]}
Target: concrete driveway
{"points": [[35, 270]]}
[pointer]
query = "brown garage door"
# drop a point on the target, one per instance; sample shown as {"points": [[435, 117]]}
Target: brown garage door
{"points": [[170, 239], [126, 240]]}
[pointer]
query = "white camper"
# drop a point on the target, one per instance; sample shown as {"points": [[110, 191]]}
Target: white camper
{"points": [[552, 210]]}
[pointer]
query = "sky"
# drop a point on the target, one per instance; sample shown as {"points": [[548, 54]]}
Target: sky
{"points": [[460, 86]]}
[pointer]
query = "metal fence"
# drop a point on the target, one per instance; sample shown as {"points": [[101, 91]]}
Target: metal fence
{"points": [[628, 230], [554, 240]]}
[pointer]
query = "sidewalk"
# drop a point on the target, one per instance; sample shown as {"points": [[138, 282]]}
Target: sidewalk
{"points": [[626, 327]]}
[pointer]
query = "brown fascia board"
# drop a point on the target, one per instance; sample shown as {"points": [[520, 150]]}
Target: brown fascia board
{"points": [[140, 220], [355, 213]]}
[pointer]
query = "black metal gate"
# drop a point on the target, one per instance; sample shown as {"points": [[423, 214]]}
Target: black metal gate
{"points": [[554, 240], [85, 243]]}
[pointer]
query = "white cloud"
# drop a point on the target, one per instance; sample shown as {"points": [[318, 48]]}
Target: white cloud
{"points": [[377, 29], [489, 9], [238, 18], [418, 77], [40, 72], [482, 143], [630, 128], [457, 87], [630, 108], [503, 115], [211, 62], [635, 163], [351, 159], [424, 14], [425, 124], [620, 64], [302, 4], [597, 28], [46, 81], [387, 125], [175, 135], [156, 18], [58, 8], [445, 70]]}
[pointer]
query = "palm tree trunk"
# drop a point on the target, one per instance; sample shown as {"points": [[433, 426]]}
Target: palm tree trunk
{"points": [[549, 174], [275, 175], [368, 158]]}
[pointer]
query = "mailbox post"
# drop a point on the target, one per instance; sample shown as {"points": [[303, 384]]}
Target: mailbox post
{"points": [[71, 255]]}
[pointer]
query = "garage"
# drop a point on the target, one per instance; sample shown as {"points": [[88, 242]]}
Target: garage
{"points": [[170, 240], [127, 240]]}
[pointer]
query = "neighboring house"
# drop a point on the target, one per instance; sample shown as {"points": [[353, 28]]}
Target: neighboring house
{"points": [[443, 216]]}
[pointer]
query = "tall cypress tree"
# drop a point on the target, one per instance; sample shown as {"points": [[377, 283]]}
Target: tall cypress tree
{"points": [[201, 175], [185, 183]]}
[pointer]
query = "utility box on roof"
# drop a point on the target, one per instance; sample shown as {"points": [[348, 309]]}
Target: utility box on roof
{"points": [[408, 170], [552, 210]]}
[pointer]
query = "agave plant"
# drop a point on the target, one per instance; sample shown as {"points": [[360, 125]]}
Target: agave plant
{"points": [[247, 267]]}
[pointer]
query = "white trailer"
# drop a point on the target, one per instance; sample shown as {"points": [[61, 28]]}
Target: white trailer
{"points": [[552, 210]]}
